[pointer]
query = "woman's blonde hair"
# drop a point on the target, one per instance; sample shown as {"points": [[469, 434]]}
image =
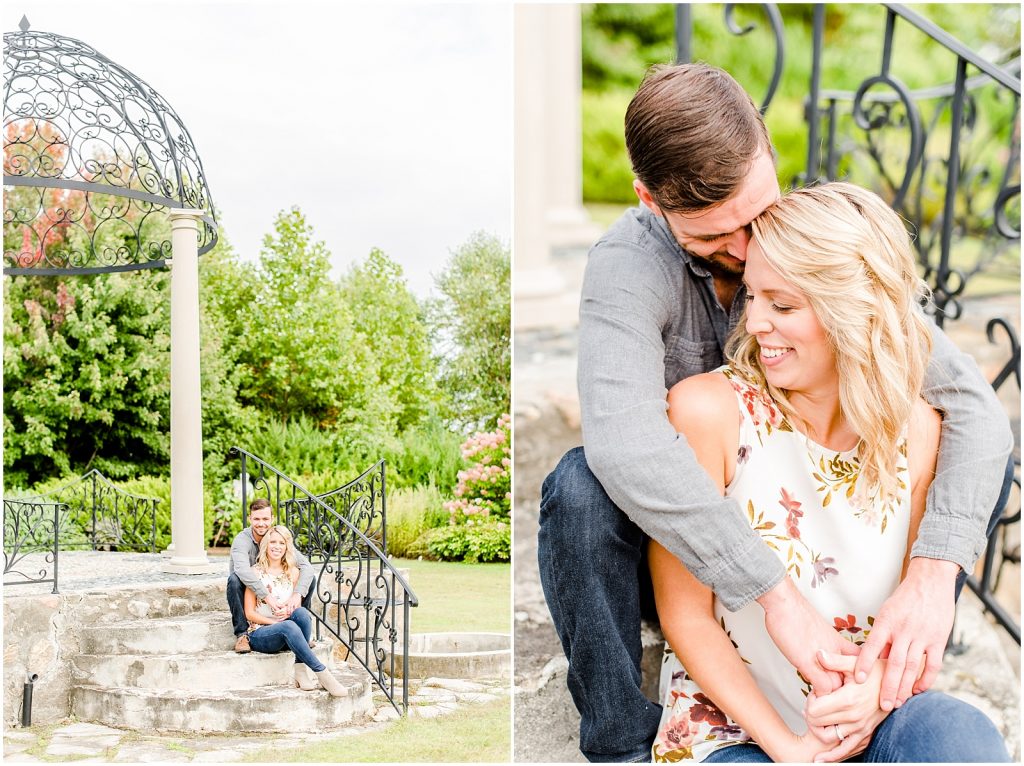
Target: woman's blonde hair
{"points": [[288, 562], [850, 255]]}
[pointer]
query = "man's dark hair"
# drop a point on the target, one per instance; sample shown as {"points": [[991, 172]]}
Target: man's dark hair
{"points": [[259, 503], [691, 134]]}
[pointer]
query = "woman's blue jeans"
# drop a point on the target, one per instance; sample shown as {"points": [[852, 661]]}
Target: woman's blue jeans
{"points": [[293, 634], [930, 727]]}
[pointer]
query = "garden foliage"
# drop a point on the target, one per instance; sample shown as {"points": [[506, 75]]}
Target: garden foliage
{"points": [[472, 326], [479, 523], [321, 377], [620, 41]]}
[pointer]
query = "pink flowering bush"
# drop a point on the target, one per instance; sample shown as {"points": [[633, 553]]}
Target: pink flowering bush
{"points": [[479, 525], [484, 490]]}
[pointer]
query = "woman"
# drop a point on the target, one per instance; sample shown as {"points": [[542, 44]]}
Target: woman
{"points": [[817, 428], [271, 633]]}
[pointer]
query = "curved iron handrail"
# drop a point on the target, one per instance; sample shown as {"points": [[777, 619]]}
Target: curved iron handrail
{"points": [[334, 542], [362, 507], [27, 523], [139, 505]]}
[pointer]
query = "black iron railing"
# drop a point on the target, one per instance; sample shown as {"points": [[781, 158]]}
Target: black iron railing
{"points": [[1002, 550], [946, 157], [31, 541], [358, 589], [87, 513], [362, 502], [102, 517]]}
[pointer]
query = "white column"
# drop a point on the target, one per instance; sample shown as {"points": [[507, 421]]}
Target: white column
{"points": [[189, 548], [568, 221], [549, 210], [535, 275]]}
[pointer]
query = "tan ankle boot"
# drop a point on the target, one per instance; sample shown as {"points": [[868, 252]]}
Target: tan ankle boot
{"points": [[330, 683], [304, 678]]}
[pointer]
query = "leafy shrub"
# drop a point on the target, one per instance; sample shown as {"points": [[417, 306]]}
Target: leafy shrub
{"points": [[484, 488], [480, 543], [427, 454], [607, 174], [411, 513]]}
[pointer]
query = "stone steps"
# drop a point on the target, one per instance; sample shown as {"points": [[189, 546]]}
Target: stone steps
{"points": [[261, 709], [177, 672], [201, 671], [184, 634]]}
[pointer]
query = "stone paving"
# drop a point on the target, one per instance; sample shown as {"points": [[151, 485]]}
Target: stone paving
{"points": [[92, 571], [85, 742], [984, 669], [93, 743]]}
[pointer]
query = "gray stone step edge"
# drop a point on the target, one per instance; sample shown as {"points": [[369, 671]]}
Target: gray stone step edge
{"points": [[198, 671], [264, 709]]}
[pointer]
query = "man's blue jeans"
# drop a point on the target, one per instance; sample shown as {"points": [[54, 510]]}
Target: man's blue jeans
{"points": [[930, 727], [591, 566], [595, 579], [293, 634], [236, 603]]}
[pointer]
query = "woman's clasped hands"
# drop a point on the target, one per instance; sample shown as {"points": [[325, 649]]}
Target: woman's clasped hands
{"points": [[840, 724]]}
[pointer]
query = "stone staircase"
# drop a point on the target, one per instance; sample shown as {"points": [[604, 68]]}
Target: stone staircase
{"points": [[167, 667]]}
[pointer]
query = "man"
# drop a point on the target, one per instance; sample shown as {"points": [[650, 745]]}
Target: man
{"points": [[662, 290], [241, 575]]}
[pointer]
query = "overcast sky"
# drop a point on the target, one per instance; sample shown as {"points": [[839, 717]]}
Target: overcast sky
{"points": [[390, 125]]}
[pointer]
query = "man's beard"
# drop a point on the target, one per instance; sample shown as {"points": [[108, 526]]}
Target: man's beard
{"points": [[719, 263]]}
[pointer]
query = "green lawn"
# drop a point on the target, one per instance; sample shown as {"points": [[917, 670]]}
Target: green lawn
{"points": [[460, 597], [453, 597], [472, 734]]}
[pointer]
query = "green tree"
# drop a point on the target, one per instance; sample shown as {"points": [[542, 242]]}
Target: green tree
{"points": [[223, 295], [298, 348], [86, 375], [392, 322], [473, 330]]}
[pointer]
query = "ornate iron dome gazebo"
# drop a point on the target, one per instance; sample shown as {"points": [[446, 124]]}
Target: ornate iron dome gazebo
{"points": [[101, 175], [94, 159]]}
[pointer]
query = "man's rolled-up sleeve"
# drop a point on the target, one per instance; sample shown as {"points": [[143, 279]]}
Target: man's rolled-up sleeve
{"points": [[974, 447], [306, 573], [644, 465], [240, 547]]}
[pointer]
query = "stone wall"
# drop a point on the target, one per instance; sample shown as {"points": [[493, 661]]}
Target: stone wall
{"points": [[41, 635]]}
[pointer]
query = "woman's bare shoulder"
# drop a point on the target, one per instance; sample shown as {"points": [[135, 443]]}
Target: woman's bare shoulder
{"points": [[702, 402]]}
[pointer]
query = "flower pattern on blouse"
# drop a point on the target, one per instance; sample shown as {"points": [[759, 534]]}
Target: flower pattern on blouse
{"points": [[759, 405], [280, 581], [793, 519]]}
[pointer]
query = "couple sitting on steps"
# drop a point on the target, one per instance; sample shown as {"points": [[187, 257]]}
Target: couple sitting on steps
{"points": [[270, 588]]}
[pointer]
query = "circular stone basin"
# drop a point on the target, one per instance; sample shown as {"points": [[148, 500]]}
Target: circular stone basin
{"points": [[457, 655]]}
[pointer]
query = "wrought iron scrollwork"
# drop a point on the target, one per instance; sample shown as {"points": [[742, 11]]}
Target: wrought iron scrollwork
{"points": [[361, 598], [771, 12], [999, 552], [99, 516], [879, 114], [31, 540], [93, 160], [363, 502]]}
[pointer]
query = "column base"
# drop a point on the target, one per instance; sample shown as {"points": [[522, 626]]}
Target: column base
{"points": [[193, 566]]}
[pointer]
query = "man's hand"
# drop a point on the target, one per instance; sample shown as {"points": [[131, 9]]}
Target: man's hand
{"points": [[913, 624], [294, 602], [800, 632]]}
